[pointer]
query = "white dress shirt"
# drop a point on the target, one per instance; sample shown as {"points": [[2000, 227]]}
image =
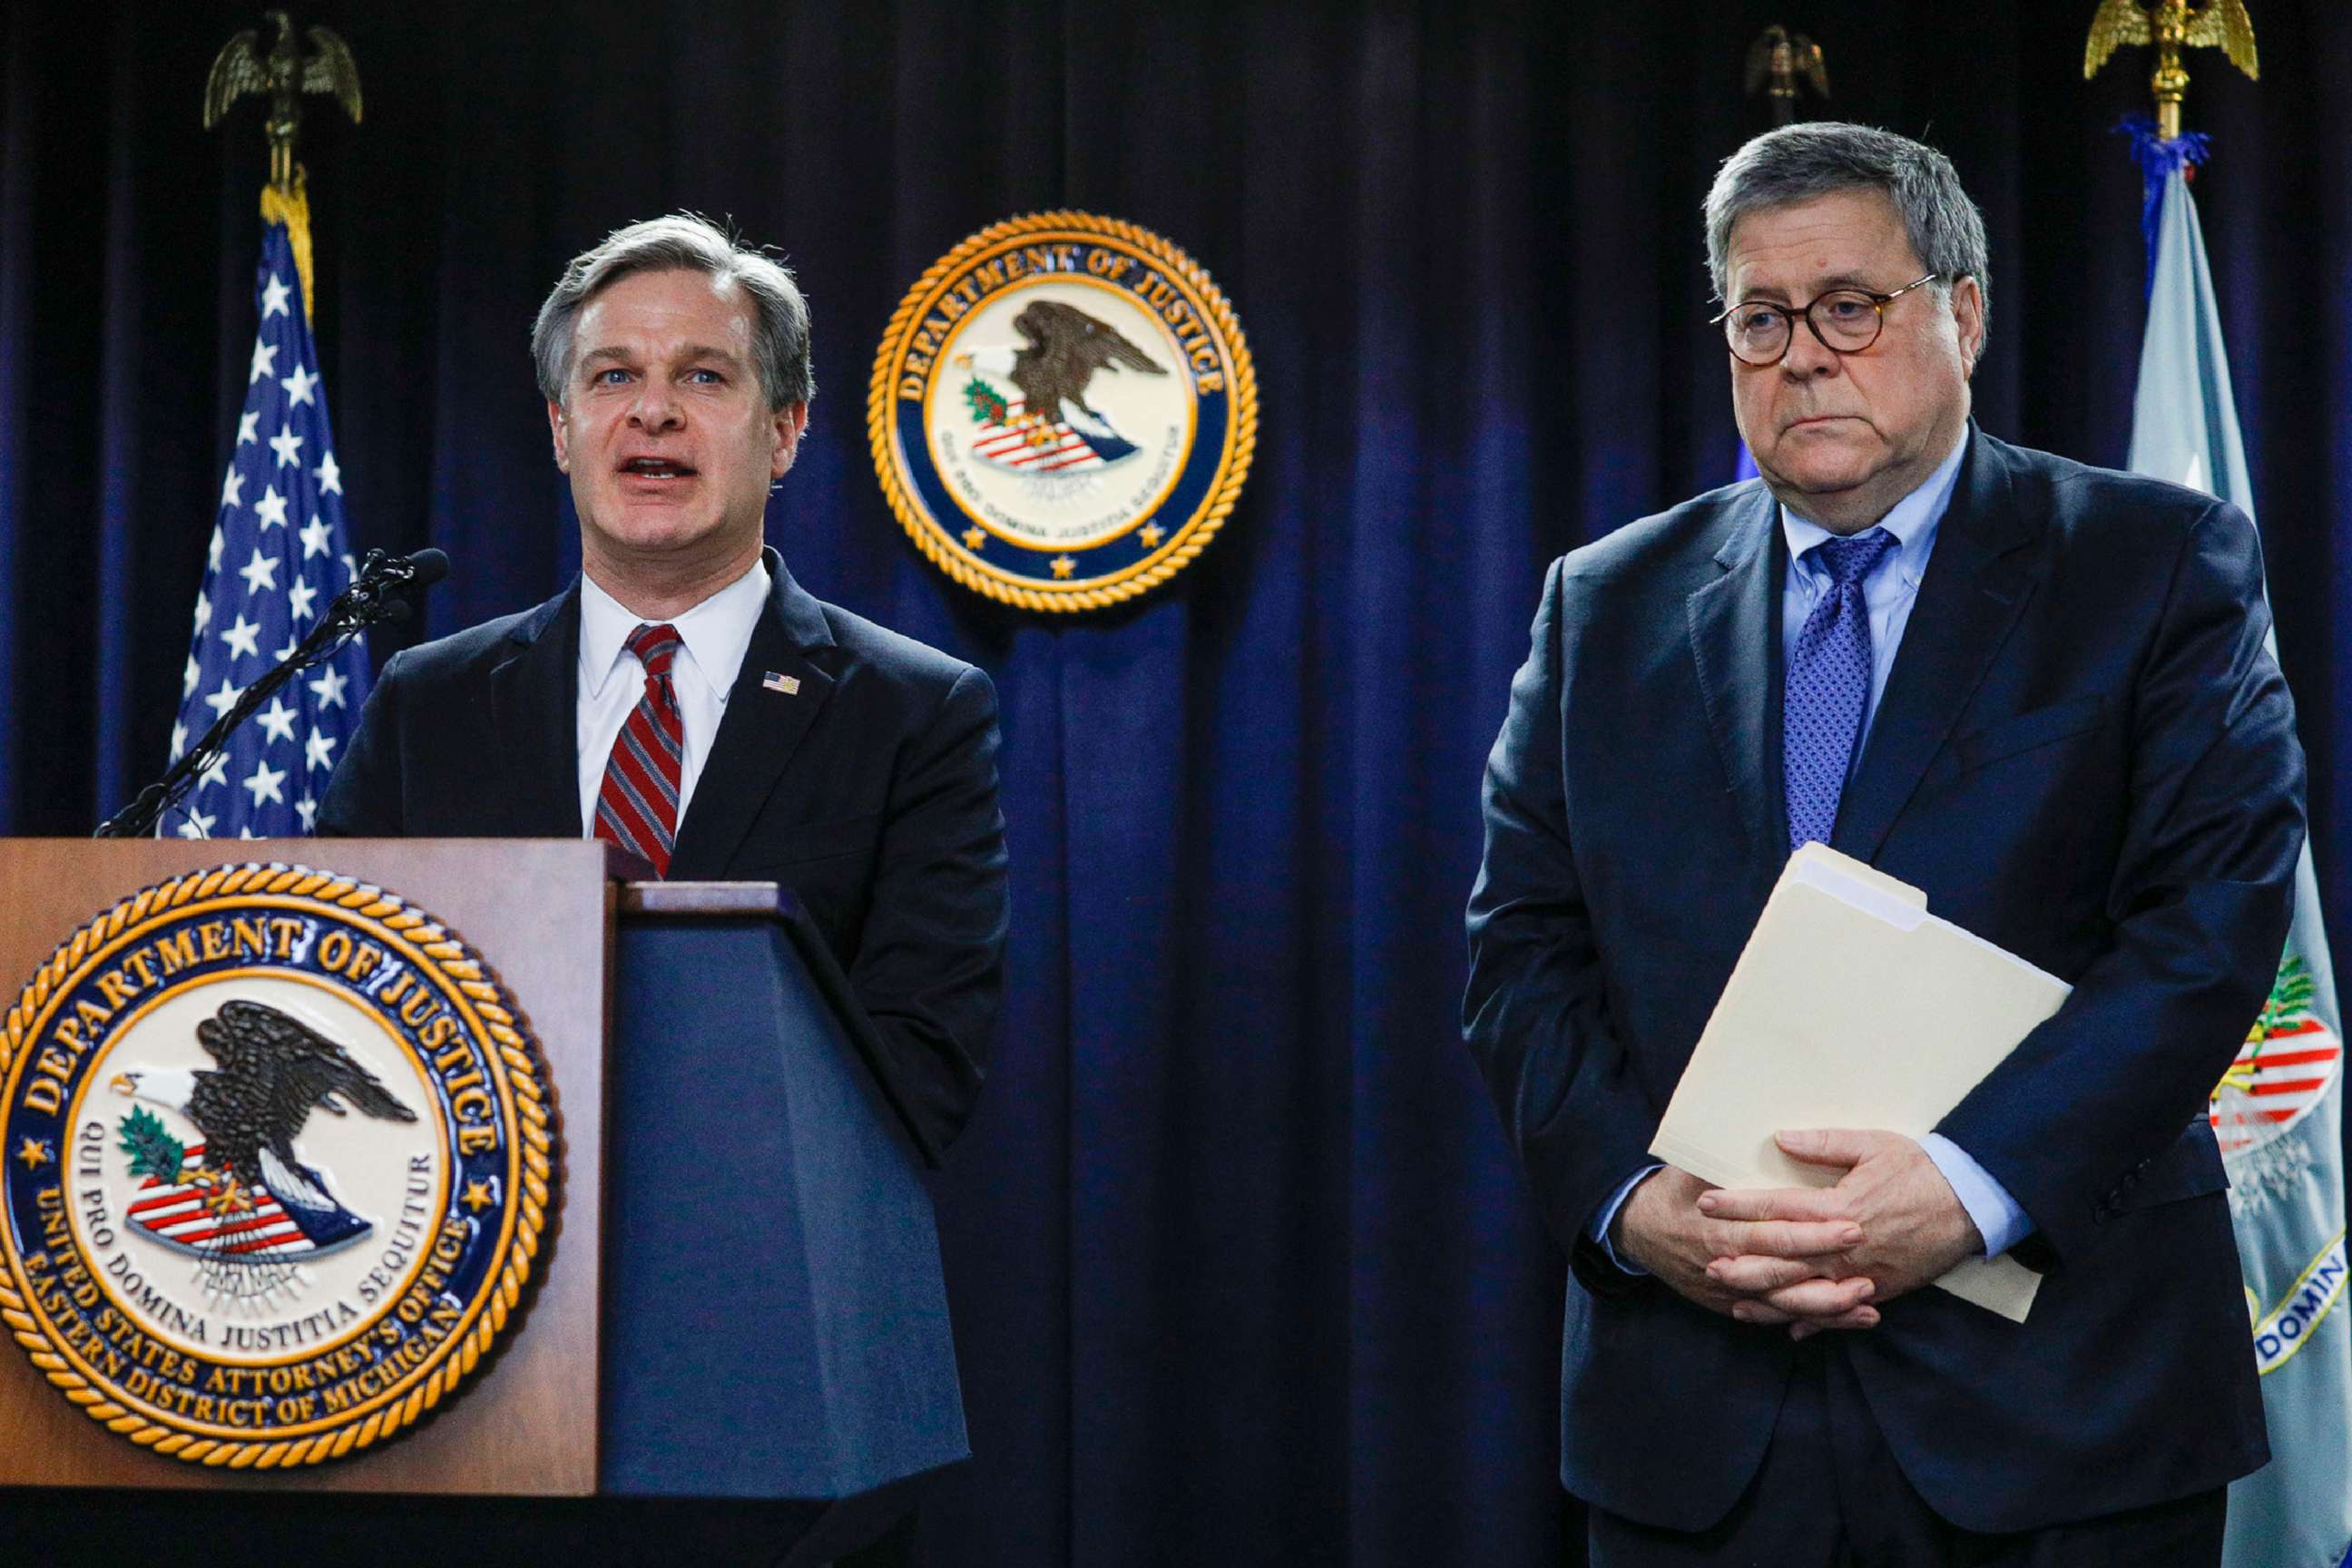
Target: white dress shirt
{"points": [[717, 634]]}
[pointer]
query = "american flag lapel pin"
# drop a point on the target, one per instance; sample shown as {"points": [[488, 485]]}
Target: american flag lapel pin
{"points": [[789, 685]]}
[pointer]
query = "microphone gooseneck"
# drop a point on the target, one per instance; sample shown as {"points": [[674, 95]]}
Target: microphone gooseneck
{"points": [[379, 593]]}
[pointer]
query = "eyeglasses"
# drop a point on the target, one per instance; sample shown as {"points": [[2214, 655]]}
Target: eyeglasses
{"points": [[1845, 320]]}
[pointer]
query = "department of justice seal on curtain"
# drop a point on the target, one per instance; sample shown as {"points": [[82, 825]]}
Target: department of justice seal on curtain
{"points": [[1063, 411], [277, 1164]]}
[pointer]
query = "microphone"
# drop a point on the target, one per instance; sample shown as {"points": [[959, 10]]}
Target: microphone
{"points": [[430, 566], [381, 592]]}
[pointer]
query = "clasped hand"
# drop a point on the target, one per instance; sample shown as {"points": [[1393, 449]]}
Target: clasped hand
{"points": [[1811, 1259]]}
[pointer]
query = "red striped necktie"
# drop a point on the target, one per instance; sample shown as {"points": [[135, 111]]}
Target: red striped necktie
{"points": [[637, 807]]}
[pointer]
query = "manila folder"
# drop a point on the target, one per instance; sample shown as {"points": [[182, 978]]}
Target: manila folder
{"points": [[1852, 1006]]}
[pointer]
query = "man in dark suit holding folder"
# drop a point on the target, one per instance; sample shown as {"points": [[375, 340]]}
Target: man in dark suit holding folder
{"points": [[2040, 692]]}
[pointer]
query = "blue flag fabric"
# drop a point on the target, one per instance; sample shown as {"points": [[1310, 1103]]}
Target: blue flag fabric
{"points": [[279, 553], [2279, 1111]]}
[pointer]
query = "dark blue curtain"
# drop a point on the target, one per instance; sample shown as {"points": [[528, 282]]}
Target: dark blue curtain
{"points": [[1241, 1271]]}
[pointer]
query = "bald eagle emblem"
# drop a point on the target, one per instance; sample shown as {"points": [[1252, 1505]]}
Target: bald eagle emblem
{"points": [[1050, 428], [240, 1198]]}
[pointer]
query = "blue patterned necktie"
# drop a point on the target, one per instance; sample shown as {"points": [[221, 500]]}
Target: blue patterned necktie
{"points": [[1827, 688]]}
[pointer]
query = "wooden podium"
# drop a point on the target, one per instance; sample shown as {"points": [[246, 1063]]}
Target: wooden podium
{"points": [[740, 1297]]}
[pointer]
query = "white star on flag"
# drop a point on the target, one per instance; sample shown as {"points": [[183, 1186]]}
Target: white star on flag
{"points": [[233, 489], [243, 638], [274, 295], [298, 594], [329, 688], [204, 615], [259, 573], [320, 753], [277, 721], [179, 740], [212, 551], [329, 477], [249, 427], [308, 810], [224, 699], [215, 773], [189, 677], [271, 509], [299, 385], [314, 538], [263, 781], [197, 823], [287, 445], [265, 361]]}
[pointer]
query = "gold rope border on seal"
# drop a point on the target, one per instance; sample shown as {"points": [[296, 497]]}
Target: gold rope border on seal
{"points": [[495, 1007], [1242, 393]]}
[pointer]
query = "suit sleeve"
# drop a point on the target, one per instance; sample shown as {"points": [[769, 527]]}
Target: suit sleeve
{"points": [[930, 968], [1536, 1015], [364, 794], [2202, 895]]}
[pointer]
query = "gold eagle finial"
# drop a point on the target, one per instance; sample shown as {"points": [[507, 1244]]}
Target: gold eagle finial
{"points": [[2172, 27], [1782, 58], [284, 72]]}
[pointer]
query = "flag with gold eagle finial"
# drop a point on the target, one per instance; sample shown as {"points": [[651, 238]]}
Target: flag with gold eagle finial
{"points": [[279, 555], [2278, 1112]]}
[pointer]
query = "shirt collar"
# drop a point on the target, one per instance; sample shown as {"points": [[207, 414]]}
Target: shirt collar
{"points": [[1912, 521], [716, 632]]}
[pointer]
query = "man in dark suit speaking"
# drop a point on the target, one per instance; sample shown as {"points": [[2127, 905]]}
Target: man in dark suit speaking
{"points": [[2040, 692], [685, 697]]}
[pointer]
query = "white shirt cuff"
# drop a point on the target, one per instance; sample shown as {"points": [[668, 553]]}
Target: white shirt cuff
{"points": [[1608, 1217], [1996, 1214]]}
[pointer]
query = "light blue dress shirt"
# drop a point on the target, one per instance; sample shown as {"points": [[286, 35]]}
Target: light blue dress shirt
{"points": [[1887, 593]]}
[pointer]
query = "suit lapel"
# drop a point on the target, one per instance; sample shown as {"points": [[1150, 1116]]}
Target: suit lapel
{"points": [[535, 699], [1732, 620], [1976, 583], [761, 730]]}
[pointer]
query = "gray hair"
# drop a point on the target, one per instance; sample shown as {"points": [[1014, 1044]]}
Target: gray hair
{"points": [[1797, 163], [691, 243]]}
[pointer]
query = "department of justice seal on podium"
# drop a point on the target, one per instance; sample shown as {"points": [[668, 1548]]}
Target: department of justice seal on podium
{"points": [[1063, 411], [277, 1164]]}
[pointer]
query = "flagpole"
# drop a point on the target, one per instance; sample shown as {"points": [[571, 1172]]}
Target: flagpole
{"points": [[2171, 27]]}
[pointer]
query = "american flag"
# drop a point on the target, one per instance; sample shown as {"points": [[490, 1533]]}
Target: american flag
{"points": [[189, 1217], [279, 555], [1032, 448]]}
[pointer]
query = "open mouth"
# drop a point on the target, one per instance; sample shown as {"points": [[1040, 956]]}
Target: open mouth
{"points": [[658, 468]]}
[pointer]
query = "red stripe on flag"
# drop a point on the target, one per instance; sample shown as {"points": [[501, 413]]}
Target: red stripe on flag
{"points": [[2290, 1058], [1066, 442], [2292, 1086]]}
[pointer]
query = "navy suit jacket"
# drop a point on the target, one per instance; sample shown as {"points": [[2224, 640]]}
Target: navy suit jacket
{"points": [[871, 792], [2084, 754]]}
